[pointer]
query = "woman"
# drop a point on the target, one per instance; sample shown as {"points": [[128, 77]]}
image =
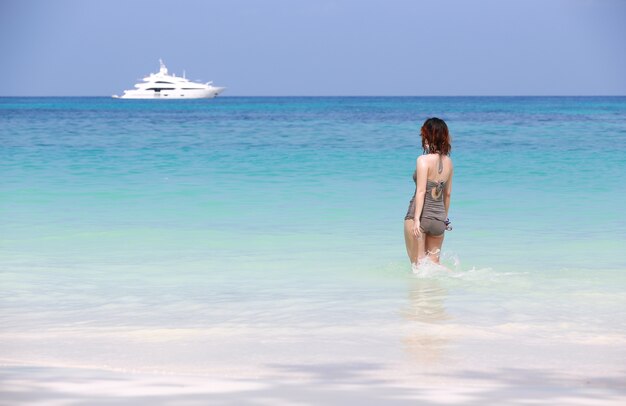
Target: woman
{"points": [[426, 220]]}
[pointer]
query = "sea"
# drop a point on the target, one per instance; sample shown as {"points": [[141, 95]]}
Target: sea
{"points": [[261, 238]]}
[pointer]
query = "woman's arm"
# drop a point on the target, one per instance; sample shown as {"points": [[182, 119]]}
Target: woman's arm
{"points": [[420, 192], [448, 192]]}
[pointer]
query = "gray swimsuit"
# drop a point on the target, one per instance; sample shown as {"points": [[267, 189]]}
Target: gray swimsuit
{"points": [[433, 217]]}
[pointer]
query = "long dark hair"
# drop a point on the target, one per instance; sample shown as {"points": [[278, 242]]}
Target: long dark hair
{"points": [[435, 134]]}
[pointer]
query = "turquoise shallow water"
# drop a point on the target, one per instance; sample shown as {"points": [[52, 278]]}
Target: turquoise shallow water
{"points": [[275, 222]]}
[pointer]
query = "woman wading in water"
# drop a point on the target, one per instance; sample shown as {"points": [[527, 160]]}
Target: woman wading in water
{"points": [[426, 220]]}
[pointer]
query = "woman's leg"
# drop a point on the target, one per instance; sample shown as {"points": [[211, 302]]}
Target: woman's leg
{"points": [[414, 246], [433, 247], [409, 240]]}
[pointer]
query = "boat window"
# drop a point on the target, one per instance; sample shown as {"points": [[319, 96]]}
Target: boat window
{"points": [[160, 81], [158, 89]]}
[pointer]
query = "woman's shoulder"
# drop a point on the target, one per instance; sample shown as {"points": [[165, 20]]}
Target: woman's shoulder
{"points": [[431, 158], [422, 160]]}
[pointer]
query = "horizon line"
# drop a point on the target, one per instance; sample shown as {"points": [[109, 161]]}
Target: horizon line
{"points": [[329, 96]]}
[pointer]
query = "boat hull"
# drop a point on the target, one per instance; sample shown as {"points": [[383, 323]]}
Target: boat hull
{"points": [[173, 94]]}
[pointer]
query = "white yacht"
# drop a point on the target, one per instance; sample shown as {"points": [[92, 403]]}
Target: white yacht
{"points": [[164, 86]]}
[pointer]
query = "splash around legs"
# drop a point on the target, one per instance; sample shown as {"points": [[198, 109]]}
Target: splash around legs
{"points": [[423, 249]]}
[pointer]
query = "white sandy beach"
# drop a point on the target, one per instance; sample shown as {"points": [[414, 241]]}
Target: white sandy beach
{"points": [[314, 384], [430, 359]]}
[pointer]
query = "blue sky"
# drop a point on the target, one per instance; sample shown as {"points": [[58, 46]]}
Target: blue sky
{"points": [[321, 47]]}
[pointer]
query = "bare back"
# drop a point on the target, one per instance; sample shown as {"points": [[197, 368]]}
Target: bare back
{"points": [[439, 167]]}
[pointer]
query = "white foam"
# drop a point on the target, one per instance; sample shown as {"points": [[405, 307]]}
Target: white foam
{"points": [[450, 267]]}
